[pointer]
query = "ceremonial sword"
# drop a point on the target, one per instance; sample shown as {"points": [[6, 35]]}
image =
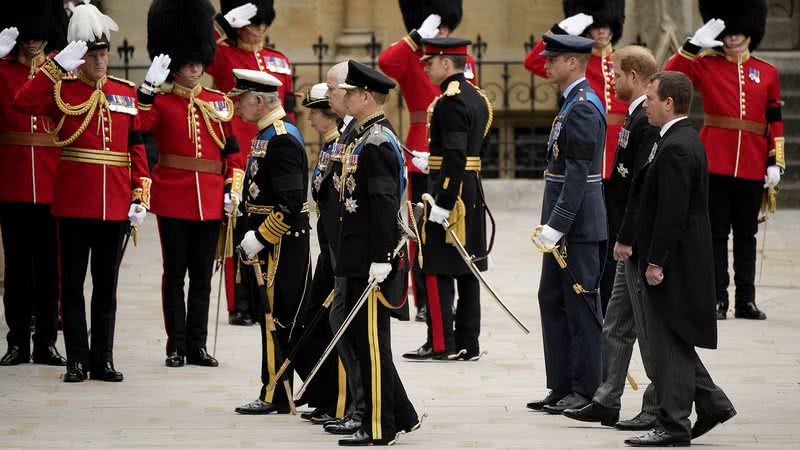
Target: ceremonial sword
{"points": [[221, 265]]}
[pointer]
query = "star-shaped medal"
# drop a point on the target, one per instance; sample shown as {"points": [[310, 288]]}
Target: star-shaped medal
{"points": [[337, 182], [253, 169], [350, 205], [253, 190], [350, 184], [622, 170]]}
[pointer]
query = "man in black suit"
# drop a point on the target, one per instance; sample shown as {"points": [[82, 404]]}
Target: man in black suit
{"points": [[673, 249], [624, 321]]}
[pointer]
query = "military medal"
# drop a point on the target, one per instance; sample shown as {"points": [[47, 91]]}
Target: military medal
{"points": [[622, 170], [350, 205], [555, 150], [350, 184], [652, 153], [317, 182], [755, 75], [337, 182], [253, 190], [253, 169], [624, 135]]}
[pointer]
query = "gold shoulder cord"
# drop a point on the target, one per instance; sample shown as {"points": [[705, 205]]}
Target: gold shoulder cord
{"points": [[96, 101], [209, 114], [491, 112]]}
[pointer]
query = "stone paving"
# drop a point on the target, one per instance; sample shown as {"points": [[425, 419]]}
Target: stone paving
{"points": [[469, 405]]}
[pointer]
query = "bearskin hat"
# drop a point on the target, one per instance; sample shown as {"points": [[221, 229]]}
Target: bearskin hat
{"points": [[416, 11], [265, 14], [38, 19], [748, 17], [604, 12], [182, 29]]}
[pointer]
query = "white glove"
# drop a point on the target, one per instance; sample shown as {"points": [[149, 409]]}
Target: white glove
{"points": [[706, 36], [420, 160], [250, 244], [773, 177], [379, 271], [230, 199], [136, 214], [8, 39], [240, 16], [576, 25], [438, 214], [158, 71], [71, 56], [549, 236], [430, 27]]}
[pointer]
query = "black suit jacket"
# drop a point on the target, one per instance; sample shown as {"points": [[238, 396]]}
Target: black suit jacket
{"points": [[674, 232]]}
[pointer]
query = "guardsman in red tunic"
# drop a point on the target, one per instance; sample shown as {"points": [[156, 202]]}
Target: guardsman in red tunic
{"points": [[603, 22], [401, 61], [28, 160], [742, 132], [197, 168], [241, 28], [102, 184]]}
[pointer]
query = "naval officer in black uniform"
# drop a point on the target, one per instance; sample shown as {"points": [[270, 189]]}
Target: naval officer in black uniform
{"points": [[574, 219]]}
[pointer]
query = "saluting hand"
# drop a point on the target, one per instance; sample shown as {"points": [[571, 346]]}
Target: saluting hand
{"points": [[240, 16], [8, 39], [430, 27], [706, 36], [654, 275], [158, 71], [72, 55], [576, 25]]}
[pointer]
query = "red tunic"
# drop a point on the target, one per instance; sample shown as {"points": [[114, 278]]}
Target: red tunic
{"points": [[104, 169], [740, 89], [401, 62], [600, 74], [231, 55], [185, 194], [26, 171]]}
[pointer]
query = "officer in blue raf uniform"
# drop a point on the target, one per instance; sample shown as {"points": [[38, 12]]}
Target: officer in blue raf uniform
{"points": [[574, 220]]}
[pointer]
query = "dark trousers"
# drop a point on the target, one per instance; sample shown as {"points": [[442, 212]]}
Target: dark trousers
{"points": [[679, 376], [417, 185], [30, 247], [467, 321], [187, 245], [571, 334], [388, 409], [78, 239], [733, 204]]}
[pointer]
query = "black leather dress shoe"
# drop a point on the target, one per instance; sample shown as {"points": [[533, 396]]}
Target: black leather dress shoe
{"points": [[260, 407], [319, 416], [722, 312], [346, 425], [445, 356], [75, 373], [594, 412], [657, 438], [362, 439], [421, 354], [48, 356], [308, 415], [749, 311], [175, 360], [106, 373], [703, 425], [552, 398], [240, 319], [642, 422], [201, 358], [14, 356], [422, 314], [571, 401]]}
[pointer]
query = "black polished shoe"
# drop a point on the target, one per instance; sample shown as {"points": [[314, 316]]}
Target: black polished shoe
{"points": [[48, 356], [201, 358], [15, 356], [703, 425], [75, 373], [423, 353], [106, 373], [749, 311], [260, 407], [422, 314], [346, 425], [722, 312], [642, 422], [594, 412], [446, 355], [240, 319], [308, 415], [175, 360], [552, 398], [657, 438], [319, 416], [571, 401], [362, 439]]}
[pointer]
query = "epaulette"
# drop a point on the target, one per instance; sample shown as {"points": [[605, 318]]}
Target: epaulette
{"points": [[280, 128], [377, 135], [214, 91], [123, 81], [763, 60], [454, 88], [710, 52]]}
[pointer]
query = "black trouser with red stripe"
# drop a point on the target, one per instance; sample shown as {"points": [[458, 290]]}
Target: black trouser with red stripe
{"points": [[441, 295], [187, 245], [31, 274], [78, 239], [388, 409]]}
